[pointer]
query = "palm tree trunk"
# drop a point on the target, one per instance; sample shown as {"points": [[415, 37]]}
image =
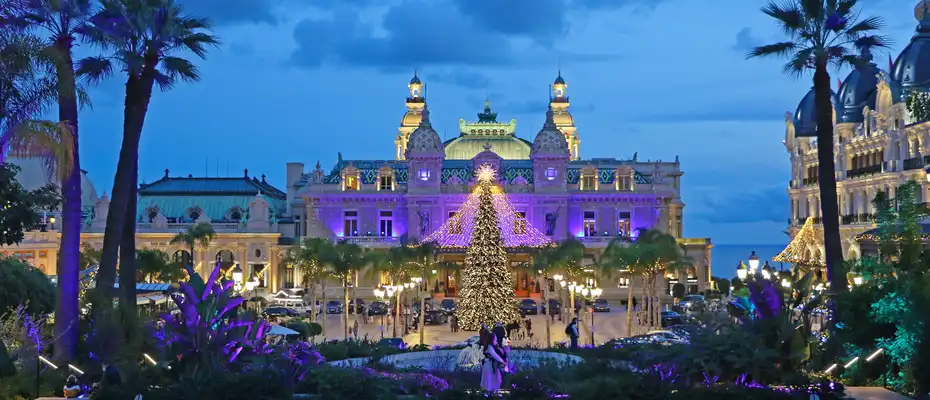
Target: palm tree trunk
{"points": [[545, 300], [323, 310], [66, 305], [829, 207], [355, 297], [629, 307], [345, 313], [127, 259], [422, 309], [660, 291], [313, 316]]}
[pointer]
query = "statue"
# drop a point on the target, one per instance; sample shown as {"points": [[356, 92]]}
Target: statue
{"points": [[424, 222], [550, 223]]}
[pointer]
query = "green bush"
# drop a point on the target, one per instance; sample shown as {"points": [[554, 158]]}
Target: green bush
{"points": [[333, 383], [21, 283]]}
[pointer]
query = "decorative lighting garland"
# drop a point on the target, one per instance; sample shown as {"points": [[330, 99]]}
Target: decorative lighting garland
{"points": [[457, 231], [796, 251], [487, 295]]}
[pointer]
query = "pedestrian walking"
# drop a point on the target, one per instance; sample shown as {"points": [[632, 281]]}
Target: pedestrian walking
{"points": [[572, 331], [355, 328], [454, 323], [529, 327]]}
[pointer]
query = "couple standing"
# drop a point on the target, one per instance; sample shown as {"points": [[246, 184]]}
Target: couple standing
{"points": [[495, 346]]}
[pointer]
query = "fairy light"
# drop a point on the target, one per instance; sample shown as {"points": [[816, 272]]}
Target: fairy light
{"points": [[515, 230], [487, 295], [851, 362], [797, 251], [875, 354]]}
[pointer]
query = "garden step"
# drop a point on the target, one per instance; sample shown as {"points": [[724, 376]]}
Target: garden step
{"points": [[873, 393]]}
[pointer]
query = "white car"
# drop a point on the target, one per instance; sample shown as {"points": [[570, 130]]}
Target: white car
{"points": [[667, 337], [470, 341]]}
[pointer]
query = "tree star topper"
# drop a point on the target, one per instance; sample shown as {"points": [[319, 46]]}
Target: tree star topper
{"points": [[485, 173]]}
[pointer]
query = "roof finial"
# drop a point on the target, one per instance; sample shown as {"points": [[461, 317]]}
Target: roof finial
{"points": [[246, 172], [263, 178], [550, 118], [425, 115], [166, 172]]}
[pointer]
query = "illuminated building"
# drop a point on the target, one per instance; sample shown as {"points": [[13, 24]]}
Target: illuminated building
{"points": [[880, 141]]}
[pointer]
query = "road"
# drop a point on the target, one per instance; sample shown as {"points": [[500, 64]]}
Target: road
{"points": [[608, 325]]}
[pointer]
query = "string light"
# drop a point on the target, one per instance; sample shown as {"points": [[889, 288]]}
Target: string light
{"points": [[797, 251], [487, 295], [515, 230]]}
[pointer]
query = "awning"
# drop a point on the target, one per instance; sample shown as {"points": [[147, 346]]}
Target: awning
{"points": [[278, 330], [148, 299]]}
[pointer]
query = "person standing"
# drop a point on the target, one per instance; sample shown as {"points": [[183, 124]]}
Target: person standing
{"points": [[529, 328], [454, 323], [572, 331]]}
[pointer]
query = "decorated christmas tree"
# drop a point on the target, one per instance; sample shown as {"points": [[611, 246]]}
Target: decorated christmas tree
{"points": [[487, 295]]}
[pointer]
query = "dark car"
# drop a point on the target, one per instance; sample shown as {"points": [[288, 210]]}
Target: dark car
{"points": [[377, 308], [280, 312], [433, 314], [553, 305], [448, 306], [601, 305], [529, 306], [333, 307], [670, 318], [358, 302], [396, 343]]}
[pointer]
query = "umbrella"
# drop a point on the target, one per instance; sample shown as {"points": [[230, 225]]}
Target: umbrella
{"points": [[278, 330]]}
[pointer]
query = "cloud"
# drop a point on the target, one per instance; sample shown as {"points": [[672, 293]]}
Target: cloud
{"points": [[539, 20], [765, 205], [637, 5], [415, 34], [467, 79], [745, 41], [750, 110], [223, 12]]}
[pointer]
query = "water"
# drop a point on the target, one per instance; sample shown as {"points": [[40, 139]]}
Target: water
{"points": [[726, 257]]}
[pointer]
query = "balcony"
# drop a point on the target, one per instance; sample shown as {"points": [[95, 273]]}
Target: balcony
{"points": [[596, 241], [913, 163], [372, 241], [181, 226], [811, 180], [857, 219], [864, 171]]}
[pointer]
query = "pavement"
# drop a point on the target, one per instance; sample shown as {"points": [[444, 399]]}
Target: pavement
{"points": [[873, 393], [607, 325]]}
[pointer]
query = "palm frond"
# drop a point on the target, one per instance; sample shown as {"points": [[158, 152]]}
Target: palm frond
{"points": [[94, 69], [800, 62], [176, 67], [781, 49], [52, 142], [790, 18]]}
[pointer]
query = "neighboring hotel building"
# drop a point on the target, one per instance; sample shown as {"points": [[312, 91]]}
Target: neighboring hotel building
{"points": [[879, 142], [380, 203]]}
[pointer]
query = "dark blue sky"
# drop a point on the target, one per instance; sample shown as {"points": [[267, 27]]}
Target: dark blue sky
{"points": [[300, 80]]}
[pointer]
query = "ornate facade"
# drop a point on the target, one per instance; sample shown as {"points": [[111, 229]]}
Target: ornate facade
{"points": [[879, 140], [382, 203]]}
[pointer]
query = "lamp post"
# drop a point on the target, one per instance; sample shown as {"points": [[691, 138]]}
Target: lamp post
{"points": [[857, 280], [561, 284], [237, 277], [592, 294], [741, 271], [571, 297], [407, 286], [418, 281], [753, 263], [383, 294], [766, 271], [397, 289], [51, 221]]}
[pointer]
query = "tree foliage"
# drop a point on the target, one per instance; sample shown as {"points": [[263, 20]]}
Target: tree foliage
{"points": [[21, 283], [21, 210], [154, 265]]}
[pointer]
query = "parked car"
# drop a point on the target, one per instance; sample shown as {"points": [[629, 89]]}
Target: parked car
{"points": [[601, 305], [670, 318], [529, 306], [690, 300], [280, 312], [470, 341], [334, 307], [433, 315], [667, 336], [377, 308], [359, 303], [448, 306], [396, 343], [553, 305]]}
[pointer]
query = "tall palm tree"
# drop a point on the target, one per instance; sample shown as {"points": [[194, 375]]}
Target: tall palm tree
{"points": [[59, 23], [312, 259], [392, 264], [629, 259], [421, 260], [143, 38], [348, 259], [820, 34], [156, 266], [199, 234]]}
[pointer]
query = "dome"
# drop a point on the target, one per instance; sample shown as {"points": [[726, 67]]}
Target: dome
{"points": [[550, 139], [858, 91], [559, 80], [912, 68], [415, 80], [805, 117], [424, 139], [34, 175]]}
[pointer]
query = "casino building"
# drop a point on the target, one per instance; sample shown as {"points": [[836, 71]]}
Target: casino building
{"points": [[382, 203]]}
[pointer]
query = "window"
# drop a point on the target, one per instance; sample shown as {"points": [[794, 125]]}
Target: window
{"points": [[258, 253], [386, 183], [590, 223], [193, 214], [288, 276], [551, 173], [455, 224], [625, 183], [587, 182], [351, 183], [350, 228], [519, 223], [623, 224], [423, 173], [386, 223]]}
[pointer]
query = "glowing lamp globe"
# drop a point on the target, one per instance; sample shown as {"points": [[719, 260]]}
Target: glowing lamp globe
{"points": [[557, 277], [562, 283], [857, 280], [379, 293], [51, 220], [741, 271], [596, 292], [753, 261], [237, 274]]}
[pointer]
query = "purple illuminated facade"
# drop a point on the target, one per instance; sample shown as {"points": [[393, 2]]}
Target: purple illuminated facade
{"points": [[377, 203]]}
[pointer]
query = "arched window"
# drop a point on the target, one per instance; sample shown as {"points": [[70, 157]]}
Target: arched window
{"points": [[234, 214], [182, 257], [194, 213], [225, 258]]}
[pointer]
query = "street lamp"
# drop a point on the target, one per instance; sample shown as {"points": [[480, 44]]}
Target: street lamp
{"points": [[382, 294], [237, 277], [591, 294], [766, 271], [741, 271], [753, 262], [857, 280]]}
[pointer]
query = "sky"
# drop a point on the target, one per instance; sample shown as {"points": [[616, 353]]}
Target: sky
{"points": [[301, 80]]}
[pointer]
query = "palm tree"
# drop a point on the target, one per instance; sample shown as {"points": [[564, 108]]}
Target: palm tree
{"points": [[420, 261], [629, 259], [348, 259], [143, 38], [821, 33], [59, 22], [312, 259], [156, 266], [393, 264], [199, 234], [544, 261]]}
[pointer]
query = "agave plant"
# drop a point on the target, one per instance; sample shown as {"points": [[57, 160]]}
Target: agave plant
{"points": [[209, 330]]}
